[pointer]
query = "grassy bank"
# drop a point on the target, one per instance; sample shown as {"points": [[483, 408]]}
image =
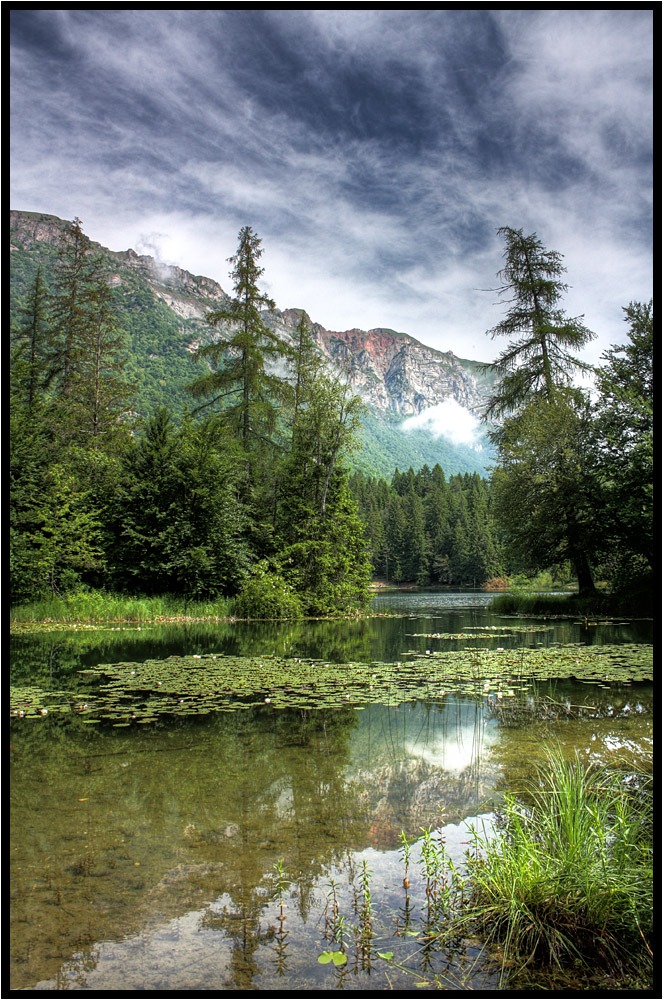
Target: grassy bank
{"points": [[567, 885], [98, 606], [638, 603]]}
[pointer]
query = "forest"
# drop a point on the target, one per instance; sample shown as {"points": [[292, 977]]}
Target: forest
{"points": [[253, 497]]}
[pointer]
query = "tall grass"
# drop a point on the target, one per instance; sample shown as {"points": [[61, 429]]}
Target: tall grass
{"points": [[636, 603], [99, 606], [569, 878]]}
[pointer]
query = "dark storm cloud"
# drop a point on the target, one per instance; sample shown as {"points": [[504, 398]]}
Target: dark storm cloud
{"points": [[375, 151]]}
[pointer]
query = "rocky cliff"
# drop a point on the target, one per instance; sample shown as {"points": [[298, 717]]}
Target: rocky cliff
{"points": [[392, 371], [164, 308]]}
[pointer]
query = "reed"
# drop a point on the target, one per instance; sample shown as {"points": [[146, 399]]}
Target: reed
{"points": [[569, 878], [100, 606]]}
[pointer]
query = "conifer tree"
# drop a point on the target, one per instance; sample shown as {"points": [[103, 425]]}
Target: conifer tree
{"points": [[240, 385], [99, 389], [540, 358], [535, 373], [77, 271], [29, 366]]}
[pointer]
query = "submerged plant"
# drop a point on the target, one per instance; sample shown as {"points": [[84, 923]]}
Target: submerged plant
{"points": [[281, 884]]}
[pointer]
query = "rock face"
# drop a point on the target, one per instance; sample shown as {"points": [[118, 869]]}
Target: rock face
{"points": [[392, 371], [395, 374]]}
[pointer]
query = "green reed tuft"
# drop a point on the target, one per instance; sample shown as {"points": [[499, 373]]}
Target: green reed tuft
{"points": [[569, 877]]}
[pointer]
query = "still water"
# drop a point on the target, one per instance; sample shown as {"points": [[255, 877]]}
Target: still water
{"points": [[218, 853]]}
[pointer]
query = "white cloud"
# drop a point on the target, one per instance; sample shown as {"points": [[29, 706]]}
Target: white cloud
{"points": [[358, 229], [450, 420]]}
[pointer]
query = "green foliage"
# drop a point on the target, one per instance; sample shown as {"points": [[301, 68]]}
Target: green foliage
{"points": [[425, 529], [266, 594], [574, 482], [570, 876], [179, 523], [181, 508], [240, 382], [540, 359], [98, 606], [622, 445], [544, 490]]}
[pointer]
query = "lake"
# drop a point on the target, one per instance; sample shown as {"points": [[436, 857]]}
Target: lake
{"points": [[218, 849]]}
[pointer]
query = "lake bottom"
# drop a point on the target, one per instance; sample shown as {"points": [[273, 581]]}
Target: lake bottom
{"points": [[229, 852]]}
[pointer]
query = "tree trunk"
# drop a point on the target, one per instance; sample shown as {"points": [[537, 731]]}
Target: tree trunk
{"points": [[583, 572]]}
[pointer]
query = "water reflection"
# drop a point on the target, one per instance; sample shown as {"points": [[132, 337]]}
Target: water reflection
{"points": [[129, 849], [112, 832], [144, 858], [47, 660]]}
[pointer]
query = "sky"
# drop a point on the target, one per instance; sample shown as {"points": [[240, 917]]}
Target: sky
{"points": [[375, 152]]}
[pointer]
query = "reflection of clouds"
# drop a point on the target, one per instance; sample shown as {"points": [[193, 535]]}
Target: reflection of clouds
{"points": [[416, 761], [455, 751]]}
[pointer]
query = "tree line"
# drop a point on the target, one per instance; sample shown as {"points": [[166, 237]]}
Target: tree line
{"points": [[250, 495], [424, 529]]}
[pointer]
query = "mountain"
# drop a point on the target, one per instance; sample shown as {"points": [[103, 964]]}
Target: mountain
{"points": [[162, 310]]}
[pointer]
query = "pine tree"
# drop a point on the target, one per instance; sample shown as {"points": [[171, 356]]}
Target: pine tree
{"points": [[29, 366], [240, 385], [535, 372], [77, 271], [99, 390], [540, 359]]}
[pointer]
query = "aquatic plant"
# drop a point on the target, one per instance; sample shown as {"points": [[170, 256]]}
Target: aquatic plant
{"points": [[281, 947], [139, 693], [569, 877]]}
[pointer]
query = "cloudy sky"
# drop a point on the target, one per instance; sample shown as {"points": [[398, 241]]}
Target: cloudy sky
{"points": [[375, 152]]}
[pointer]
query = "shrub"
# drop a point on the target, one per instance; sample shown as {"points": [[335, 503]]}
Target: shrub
{"points": [[267, 595]]}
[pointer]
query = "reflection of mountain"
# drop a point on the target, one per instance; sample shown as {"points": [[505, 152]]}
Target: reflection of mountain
{"points": [[118, 830], [418, 765]]}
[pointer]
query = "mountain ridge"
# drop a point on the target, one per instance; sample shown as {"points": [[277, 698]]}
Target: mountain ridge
{"points": [[396, 375]]}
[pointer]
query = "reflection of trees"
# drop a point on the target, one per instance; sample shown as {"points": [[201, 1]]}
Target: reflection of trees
{"points": [[139, 826], [240, 792]]}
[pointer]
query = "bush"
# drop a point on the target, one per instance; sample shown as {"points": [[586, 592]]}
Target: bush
{"points": [[267, 595]]}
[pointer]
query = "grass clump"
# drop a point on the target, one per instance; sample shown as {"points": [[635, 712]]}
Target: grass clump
{"points": [[101, 606], [567, 883]]}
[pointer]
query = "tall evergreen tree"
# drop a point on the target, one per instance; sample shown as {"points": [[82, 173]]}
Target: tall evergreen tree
{"points": [[535, 371], [76, 274], [29, 366], [99, 391], [240, 385], [540, 358], [180, 527], [623, 437]]}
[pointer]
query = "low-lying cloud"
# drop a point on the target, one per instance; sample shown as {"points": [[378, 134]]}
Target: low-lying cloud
{"points": [[449, 420]]}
